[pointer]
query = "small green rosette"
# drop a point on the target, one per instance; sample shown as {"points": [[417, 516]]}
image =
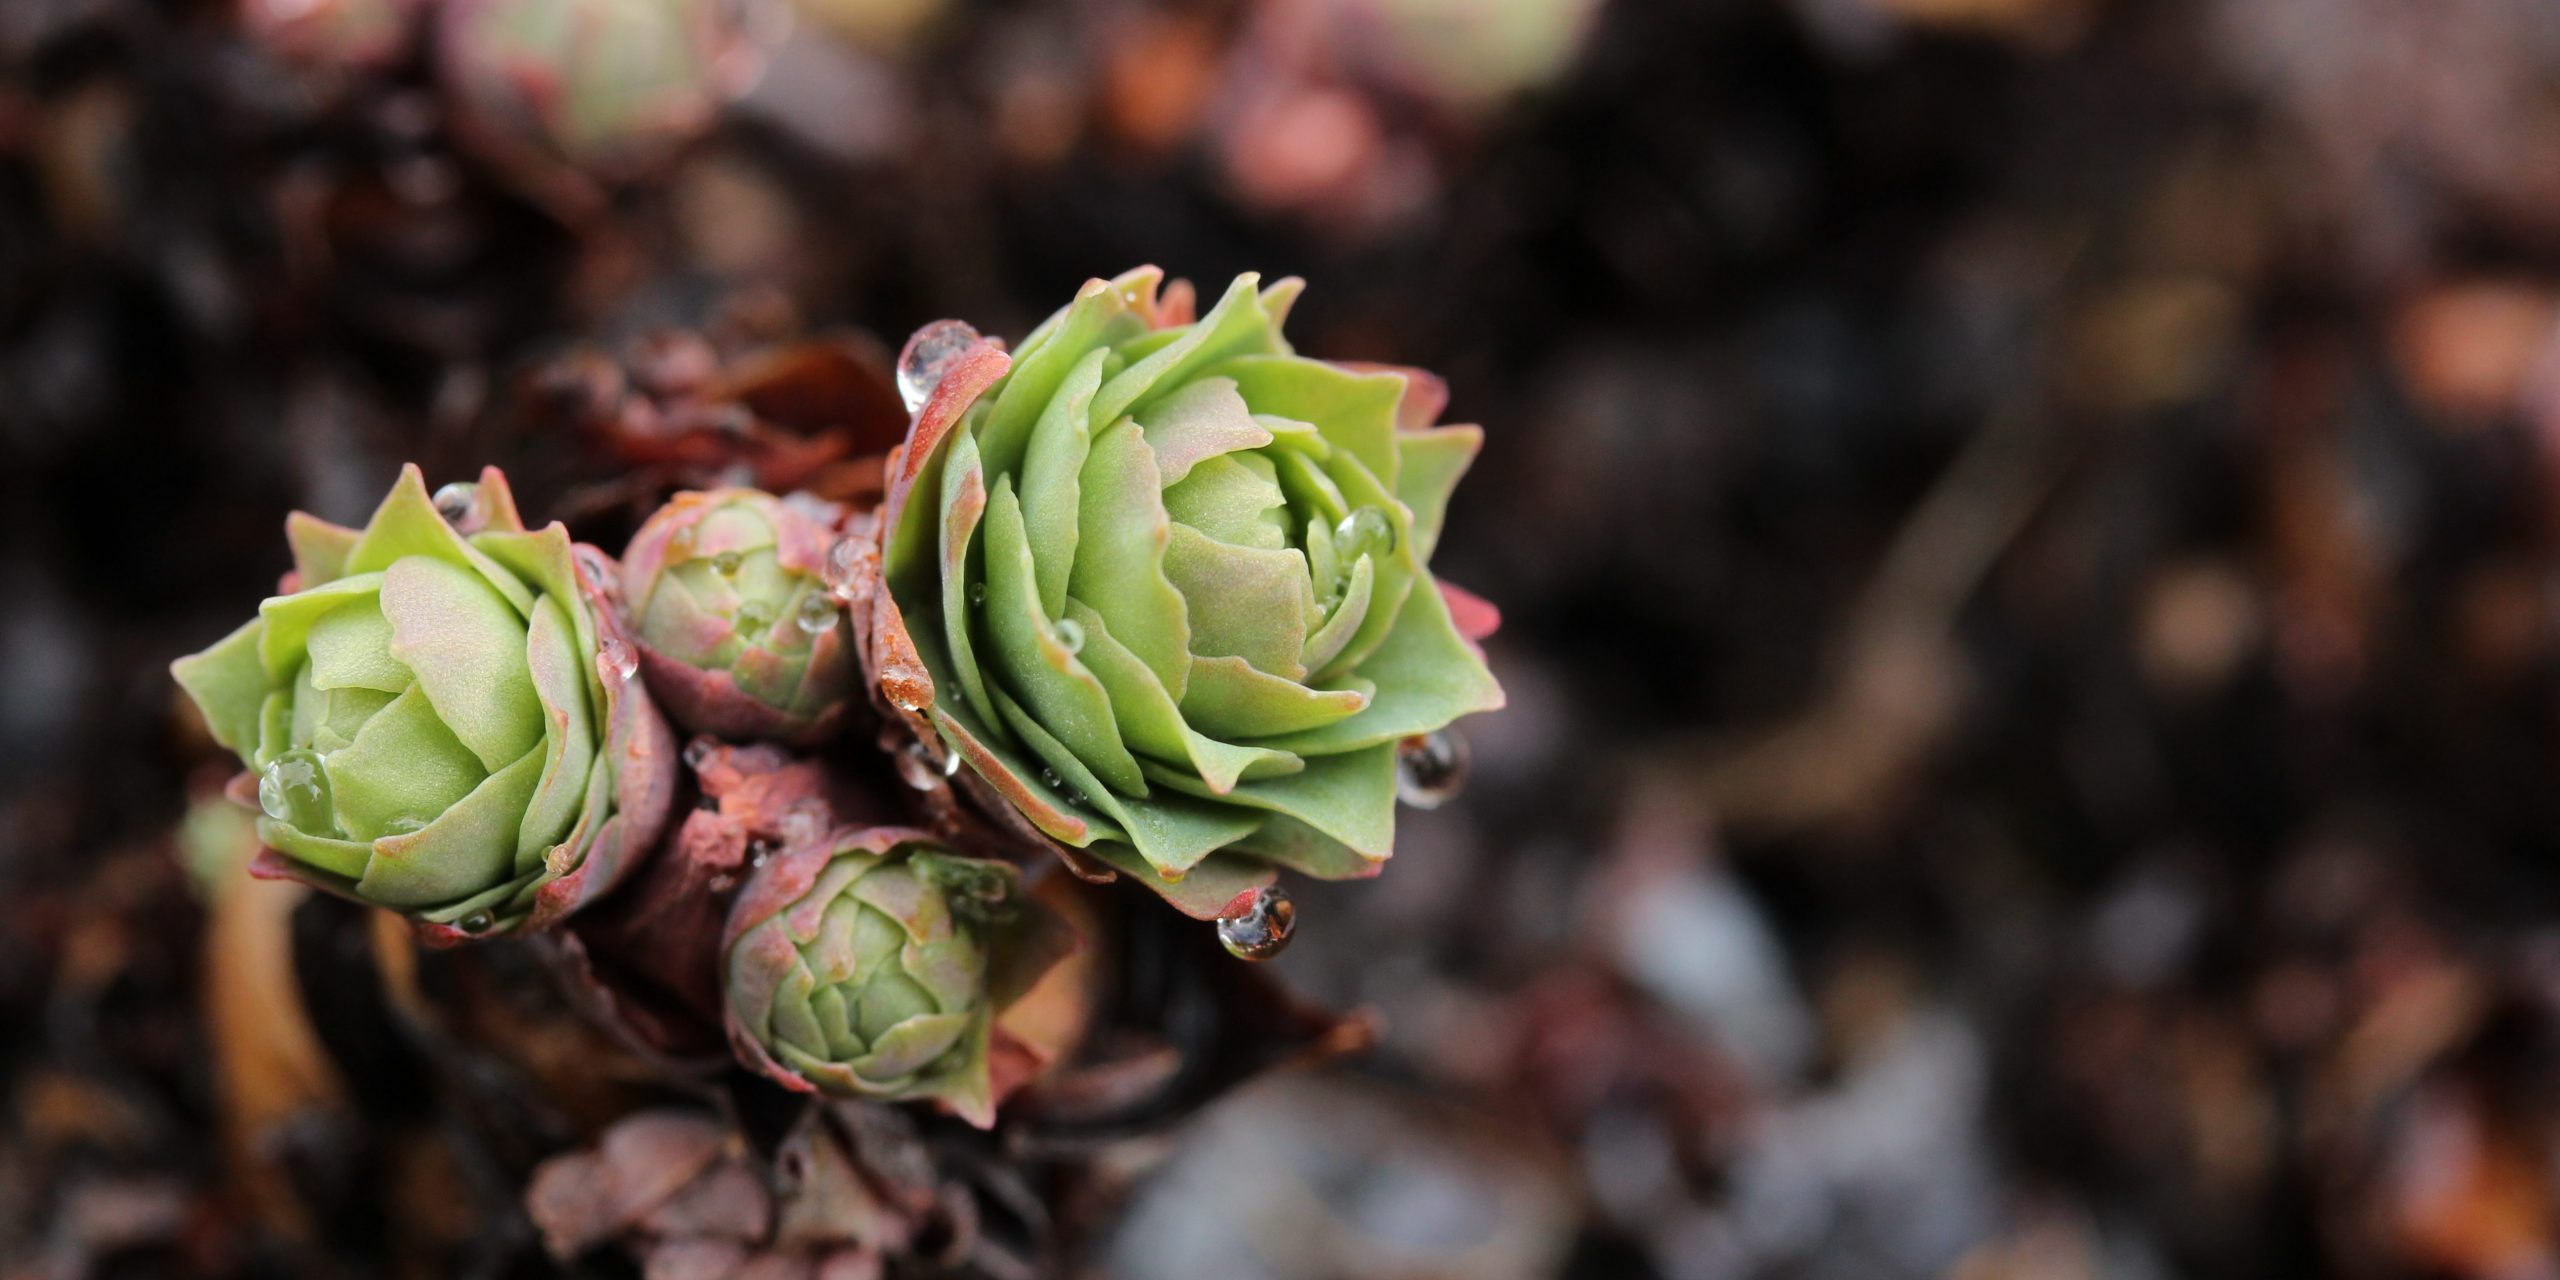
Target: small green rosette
{"points": [[441, 721], [1164, 586]]}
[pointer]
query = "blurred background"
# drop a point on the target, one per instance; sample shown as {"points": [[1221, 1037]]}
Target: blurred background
{"points": [[2025, 530]]}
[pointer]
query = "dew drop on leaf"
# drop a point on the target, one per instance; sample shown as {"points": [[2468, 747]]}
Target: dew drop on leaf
{"points": [[843, 570], [459, 504], [1430, 768], [930, 355], [615, 661], [1261, 927], [294, 790], [817, 613], [1366, 531]]}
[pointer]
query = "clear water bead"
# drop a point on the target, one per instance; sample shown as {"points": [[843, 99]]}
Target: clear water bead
{"points": [[294, 790], [753, 617], [1430, 768], [930, 355], [697, 753], [1366, 531], [1071, 635], [817, 613], [1261, 927], [680, 544], [843, 569], [726, 563], [598, 571], [459, 504], [977, 593], [615, 661], [916, 766], [477, 922]]}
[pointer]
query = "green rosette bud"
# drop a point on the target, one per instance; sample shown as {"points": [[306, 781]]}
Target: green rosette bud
{"points": [[439, 717], [1164, 585], [874, 963], [739, 635]]}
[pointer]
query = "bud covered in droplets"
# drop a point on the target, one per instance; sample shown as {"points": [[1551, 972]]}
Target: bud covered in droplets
{"points": [[873, 963], [740, 635], [1164, 586], [434, 716]]}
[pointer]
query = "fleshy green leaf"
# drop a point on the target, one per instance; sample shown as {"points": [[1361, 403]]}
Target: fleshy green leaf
{"points": [[1432, 462], [1245, 603], [964, 507], [1120, 548], [229, 684], [1204, 419], [406, 524], [1233, 499], [470, 846], [1065, 697], [1051, 504], [1237, 325], [569, 731], [1228, 698], [1355, 411], [404, 767], [1348, 796], [1151, 721], [289, 619], [350, 648], [467, 649], [1425, 675]]}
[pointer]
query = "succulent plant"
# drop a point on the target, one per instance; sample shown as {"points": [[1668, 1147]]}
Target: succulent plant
{"points": [[1164, 585], [439, 716], [599, 88], [873, 962], [739, 635]]}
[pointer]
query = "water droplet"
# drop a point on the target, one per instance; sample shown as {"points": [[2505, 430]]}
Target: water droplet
{"points": [[848, 570], [977, 593], [951, 764], [723, 883], [294, 790], [760, 851], [615, 661], [1261, 928], [916, 766], [1050, 779], [680, 544], [477, 922], [1366, 531], [459, 504], [1071, 635], [929, 355], [598, 572], [726, 563], [698, 752], [817, 613], [404, 824], [753, 617], [1430, 768]]}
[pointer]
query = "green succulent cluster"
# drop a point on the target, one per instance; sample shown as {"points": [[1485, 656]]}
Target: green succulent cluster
{"points": [[873, 964], [1171, 585], [426, 717]]}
